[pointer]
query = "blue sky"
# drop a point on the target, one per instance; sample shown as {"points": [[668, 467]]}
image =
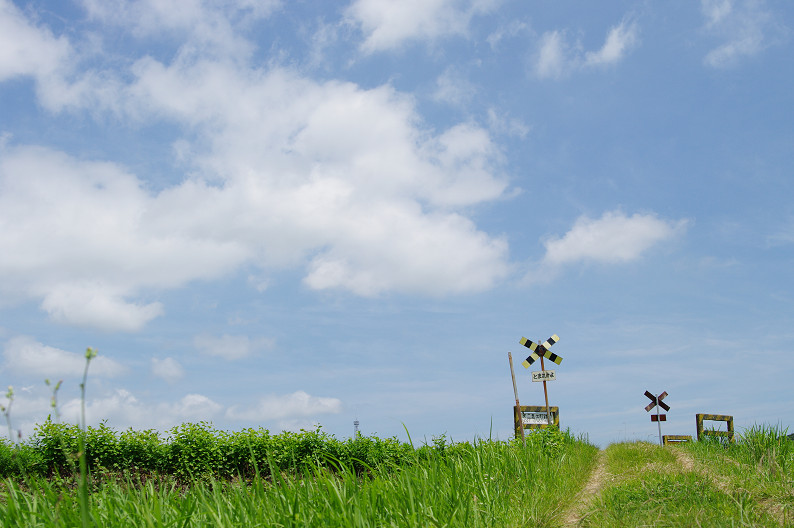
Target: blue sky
{"points": [[282, 214]]}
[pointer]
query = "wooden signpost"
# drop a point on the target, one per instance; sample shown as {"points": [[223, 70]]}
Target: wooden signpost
{"points": [[656, 401], [542, 351], [515, 392]]}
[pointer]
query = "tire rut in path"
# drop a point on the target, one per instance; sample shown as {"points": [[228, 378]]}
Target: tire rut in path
{"points": [[585, 497]]}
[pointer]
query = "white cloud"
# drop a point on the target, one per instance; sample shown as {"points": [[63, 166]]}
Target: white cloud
{"points": [[551, 60], [503, 124], [746, 27], [228, 346], [619, 39], [556, 57], [284, 172], [210, 27], [613, 238], [452, 88], [387, 24], [716, 11], [91, 305], [122, 409], [167, 369], [25, 355], [79, 236], [328, 176], [26, 49], [512, 29], [289, 406]]}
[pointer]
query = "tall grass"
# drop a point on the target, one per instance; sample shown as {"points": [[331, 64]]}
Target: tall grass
{"points": [[761, 462], [484, 483], [199, 476]]}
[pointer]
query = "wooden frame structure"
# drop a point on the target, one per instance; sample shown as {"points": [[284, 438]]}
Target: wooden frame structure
{"points": [[701, 432]]}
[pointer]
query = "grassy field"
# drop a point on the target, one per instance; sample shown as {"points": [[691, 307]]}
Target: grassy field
{"points": [[304, 479], [198, 476]]}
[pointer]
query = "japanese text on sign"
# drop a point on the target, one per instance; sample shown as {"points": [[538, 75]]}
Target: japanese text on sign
{"points": [[544, 375], [534, 418]]}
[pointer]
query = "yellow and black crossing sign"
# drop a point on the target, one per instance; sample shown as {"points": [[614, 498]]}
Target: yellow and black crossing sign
{"points": [[540, 350]]}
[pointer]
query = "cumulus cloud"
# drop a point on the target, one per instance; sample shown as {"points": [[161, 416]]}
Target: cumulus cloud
{"points": [[556, 57], [26, 49], [92, 305], [328, 176], [612, 239], [123, 409], [25, 355], [746, 27], [77, 235], [167, 369], [289, 406], [282, 172], [387, 25]]}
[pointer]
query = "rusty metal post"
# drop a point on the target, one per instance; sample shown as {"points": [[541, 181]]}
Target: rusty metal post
{"points": [[545, 391]]}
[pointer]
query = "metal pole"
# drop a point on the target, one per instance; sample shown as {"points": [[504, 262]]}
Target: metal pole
{"points": [[545, 391], [658, 421], [518, 405]]}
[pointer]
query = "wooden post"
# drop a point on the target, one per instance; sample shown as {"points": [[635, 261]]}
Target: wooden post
{"points": [[518, 405]]}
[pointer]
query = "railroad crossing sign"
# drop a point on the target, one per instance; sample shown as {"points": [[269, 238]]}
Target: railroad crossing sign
{"points": [[658, 418], [657, 401], [540, 350]]}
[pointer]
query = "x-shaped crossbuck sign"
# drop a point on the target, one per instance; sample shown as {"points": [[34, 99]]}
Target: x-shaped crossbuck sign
{"points": [[540, 350], [655, 401]]}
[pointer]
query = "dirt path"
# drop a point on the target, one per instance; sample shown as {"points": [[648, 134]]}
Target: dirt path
{"points": [[686, 461], [585, 497]]}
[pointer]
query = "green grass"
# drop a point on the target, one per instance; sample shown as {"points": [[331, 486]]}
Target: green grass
{"points": [[485, 483], [709, 483], [682, 499], [761, 462]]}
